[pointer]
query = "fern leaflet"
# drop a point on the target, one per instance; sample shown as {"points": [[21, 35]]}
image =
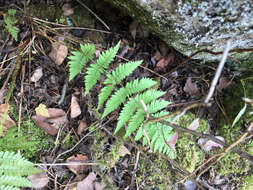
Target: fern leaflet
{"points": [[138, 118], [10, 22], [95, 70], [115, 77], [79, 59], [131, 106], [13, 168], [131, 88], [159, 135]]}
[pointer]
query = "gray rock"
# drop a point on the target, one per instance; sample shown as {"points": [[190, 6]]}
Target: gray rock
{"points": [[191, 25]]}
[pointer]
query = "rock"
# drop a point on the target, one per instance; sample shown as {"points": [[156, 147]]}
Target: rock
{"points": [[189, 26]]}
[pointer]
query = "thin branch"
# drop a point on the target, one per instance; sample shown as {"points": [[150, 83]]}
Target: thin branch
{"points": [[218, 72], [209, 137]]}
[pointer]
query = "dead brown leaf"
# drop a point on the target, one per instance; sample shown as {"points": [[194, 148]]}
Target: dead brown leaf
{"points": [[3, 93], [39, 180], [194, 125], [75, 109], [77, 168], [223, 83], [81, 127], [123, 151], [190, 87], [51, 124], [8, 122], [38, 73], [87, 183], [58, 52]]}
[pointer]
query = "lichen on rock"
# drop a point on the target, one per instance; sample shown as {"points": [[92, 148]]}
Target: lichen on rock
{"points": [[193, 25]]}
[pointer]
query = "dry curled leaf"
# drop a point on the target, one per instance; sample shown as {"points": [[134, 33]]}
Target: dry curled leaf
{"points": [[123, 151], [38, 73], [87, 183], [3, 93], [173, 140], [75, 109], [208, 145], [75, 163], [190, 87], [58, 52], [39, 180], [194, 125], [52, 123], [223, 83], [81, 127]]}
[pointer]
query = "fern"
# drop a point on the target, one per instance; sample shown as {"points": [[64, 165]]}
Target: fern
{"points": [[95, 70], [13, 169], [79, 59], [10, 21], [113, 94]]}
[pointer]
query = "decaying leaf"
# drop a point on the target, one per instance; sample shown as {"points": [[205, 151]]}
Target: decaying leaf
{"points": [[81, 127], [3, 93], [59, 51], [194, 125], [173, 140], [39, 180], [8, 122], [190, 87], [87, 183], [223, 83], [123, 151], [51, 124], [208, 145], [74, 166], [38, 73], [75, 109]]}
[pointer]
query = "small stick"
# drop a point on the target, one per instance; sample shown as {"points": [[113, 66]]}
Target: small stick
{"points": [[218, 72]]}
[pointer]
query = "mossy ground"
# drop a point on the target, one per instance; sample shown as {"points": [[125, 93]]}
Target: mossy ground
{"points": [[30, 140]]}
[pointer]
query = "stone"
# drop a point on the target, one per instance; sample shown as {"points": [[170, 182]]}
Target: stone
{"points": [[193, 25]]}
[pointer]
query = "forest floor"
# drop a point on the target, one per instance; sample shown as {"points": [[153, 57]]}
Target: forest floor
{"points": [[37, 65]]}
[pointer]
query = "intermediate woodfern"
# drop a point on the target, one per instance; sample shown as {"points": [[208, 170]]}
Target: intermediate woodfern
{"points": [[113, 94], [13, 169]]}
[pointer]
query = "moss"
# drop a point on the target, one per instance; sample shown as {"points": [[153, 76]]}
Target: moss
{"points": [[150, 176], [189, 154], [232, 163], [247, 183], [30, 140]]}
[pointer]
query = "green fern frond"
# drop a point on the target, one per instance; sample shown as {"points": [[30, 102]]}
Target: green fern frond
{"points": [[115, 77], [7, 187], [131, 88], [14, 168], [10, 22], [158, 133], [137, 120], [15, 181], [79, 59], [131, 106], [95, 70]]}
